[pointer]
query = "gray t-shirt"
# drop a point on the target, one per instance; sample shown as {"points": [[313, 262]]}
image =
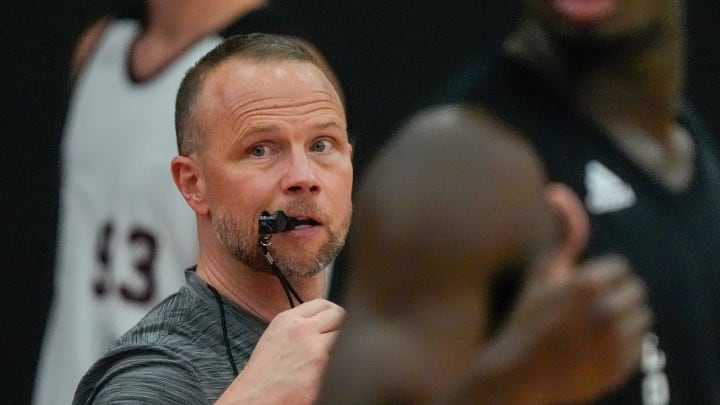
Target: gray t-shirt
{"points": [[176, 354]]}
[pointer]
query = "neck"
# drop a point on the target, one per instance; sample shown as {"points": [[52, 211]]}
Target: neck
{"points": [[633, 84], [173, 26], [259, 292]]}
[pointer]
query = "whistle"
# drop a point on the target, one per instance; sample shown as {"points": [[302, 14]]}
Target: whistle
{"points": [[276, 222]]}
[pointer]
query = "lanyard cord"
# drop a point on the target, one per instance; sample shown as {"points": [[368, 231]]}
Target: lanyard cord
{"points": [[290, 292], [226, 339]]}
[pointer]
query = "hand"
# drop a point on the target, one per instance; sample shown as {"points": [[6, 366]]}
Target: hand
{"points": [[574, 339], [290, 357]]}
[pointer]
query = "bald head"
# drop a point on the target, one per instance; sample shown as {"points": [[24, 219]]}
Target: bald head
{"points": [[452, 200], [455, 192], [255, 47]]}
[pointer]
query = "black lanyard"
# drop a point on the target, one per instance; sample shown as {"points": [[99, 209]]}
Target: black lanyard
{"points": [[290, 292]]}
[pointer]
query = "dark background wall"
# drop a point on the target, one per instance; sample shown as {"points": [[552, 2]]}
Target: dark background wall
{"points": [[36, 38], [390, 58]]}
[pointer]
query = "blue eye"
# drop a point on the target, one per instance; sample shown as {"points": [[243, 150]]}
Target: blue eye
{"points": [[321, 145], [259, 150]]}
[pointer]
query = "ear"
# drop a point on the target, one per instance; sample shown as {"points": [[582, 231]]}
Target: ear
{"points": [[189, 179], [574, 230]]}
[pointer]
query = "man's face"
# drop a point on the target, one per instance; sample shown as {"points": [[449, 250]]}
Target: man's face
{"points": [[600, 20], [274, 137]]}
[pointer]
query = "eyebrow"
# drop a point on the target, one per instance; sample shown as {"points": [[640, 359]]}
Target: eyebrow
{"points": [[270, 127], [259, 129], [328, 124]]}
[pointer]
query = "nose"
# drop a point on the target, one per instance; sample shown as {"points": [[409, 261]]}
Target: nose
{"points": [[301, 174]]}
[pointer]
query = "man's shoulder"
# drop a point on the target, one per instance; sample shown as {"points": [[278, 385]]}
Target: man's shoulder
{"points": [[163, 345], [171, 321], [140, 369], [174, 354]]}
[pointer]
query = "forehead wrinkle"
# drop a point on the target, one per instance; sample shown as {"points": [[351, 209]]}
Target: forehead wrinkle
{"points": [[254, 95], [240, 113], [329, 124]]}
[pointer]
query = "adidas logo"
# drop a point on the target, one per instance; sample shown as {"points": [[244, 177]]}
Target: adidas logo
{"points": [[606, 192]]}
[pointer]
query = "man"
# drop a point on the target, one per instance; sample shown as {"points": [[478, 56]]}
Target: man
{"points": [[125, 233], [260, 126], [454, 213], [596, 86]]}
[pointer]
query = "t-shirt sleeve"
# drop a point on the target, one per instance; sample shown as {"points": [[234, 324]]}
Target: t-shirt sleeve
{"points": [[141, 375]]}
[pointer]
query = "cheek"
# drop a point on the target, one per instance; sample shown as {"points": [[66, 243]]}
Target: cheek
{"points": [[342, 188], [240, 193]]}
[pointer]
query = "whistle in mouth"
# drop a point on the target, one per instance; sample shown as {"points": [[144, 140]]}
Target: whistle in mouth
{"points": [[276, 222]]}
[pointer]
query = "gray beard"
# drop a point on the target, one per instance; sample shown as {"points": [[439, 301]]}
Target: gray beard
{"points": [[241, 240]]}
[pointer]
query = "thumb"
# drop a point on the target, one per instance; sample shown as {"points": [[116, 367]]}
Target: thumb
{"points": [[574, 231]]}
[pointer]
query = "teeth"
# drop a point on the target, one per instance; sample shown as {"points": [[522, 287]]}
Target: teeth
{"points": [[303, 226]]}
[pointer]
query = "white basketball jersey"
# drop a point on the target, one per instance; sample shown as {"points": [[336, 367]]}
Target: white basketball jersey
{"points": [[125, 233]]}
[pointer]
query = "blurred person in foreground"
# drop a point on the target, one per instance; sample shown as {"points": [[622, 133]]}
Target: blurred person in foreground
{"points": [[464, 285]]}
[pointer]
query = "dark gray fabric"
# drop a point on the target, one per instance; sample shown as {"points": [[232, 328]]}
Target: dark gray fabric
{"points": [[174, 355]]}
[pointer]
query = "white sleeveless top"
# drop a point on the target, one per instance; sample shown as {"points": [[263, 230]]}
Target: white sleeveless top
{"points": [[125, 233]]}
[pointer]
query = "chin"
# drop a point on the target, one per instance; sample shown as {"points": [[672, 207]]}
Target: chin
{"points": [[300, 268]]}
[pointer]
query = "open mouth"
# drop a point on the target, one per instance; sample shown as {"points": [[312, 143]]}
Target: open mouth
{"points": [[302, 223]]}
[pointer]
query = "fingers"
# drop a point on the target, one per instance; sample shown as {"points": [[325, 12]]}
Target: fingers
{"points": [[604, 271], [629, 319], [610, 288], [330, 319], [620, 297], [289, 359], [310, 308], [621, 310], [587, 329], [327, 340], [628, 297], [325, 315]]}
